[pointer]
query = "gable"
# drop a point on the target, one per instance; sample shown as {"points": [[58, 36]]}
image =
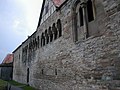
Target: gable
{"points": [[58, 3], [47, 9]]}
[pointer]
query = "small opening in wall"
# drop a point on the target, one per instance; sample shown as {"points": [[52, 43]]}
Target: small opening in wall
{"points": [[35, 43], [47, 38], [54, 29], [56, 72], [19, 56], [59, 26], [42, 71], [90, 11], [28, 75], [38, 41], [81, 16], [50, 34], [42, 40]]}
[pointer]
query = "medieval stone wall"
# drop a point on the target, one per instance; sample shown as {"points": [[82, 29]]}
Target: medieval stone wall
{"points": [[90, 63]]}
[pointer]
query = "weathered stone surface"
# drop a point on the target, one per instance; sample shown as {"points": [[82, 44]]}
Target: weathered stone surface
{"points": [[88, 64]]}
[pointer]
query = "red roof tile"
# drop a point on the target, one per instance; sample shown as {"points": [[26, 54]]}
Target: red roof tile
{"points": [[8, 59]]}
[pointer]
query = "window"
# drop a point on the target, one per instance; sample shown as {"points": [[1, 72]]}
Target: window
{"points": [[38, 41], [47, 37], [42, 40], [59, 26], [55, 71], [81, 16], [19, 56], [42, 71], [24, 54], [90, 11], [50, 34], [54, 29], [35, 43], [28, 75]]}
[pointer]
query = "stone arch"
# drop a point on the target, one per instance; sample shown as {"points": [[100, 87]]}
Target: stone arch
{"points": [[46, 36], [59, 27], [55, 32], [50, 33], [42, 40]]}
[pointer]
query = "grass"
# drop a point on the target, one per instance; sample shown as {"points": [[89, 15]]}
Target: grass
{"points": [[3, 84], [15, 83], [23, 86], [28, 88]]}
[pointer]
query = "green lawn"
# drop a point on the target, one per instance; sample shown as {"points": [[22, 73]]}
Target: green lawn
{"points": [[3, 84], [15, 83], [23, 86], [28, 88]]}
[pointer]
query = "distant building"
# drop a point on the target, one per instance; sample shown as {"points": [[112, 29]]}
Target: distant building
{"points": [[6, 68], [76, 46]]}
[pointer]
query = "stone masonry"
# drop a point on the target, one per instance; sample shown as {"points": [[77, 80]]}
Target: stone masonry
{"points": [[85, 57]]}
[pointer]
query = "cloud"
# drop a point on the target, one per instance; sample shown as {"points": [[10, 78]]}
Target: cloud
{"points": [[32, 12], [16, 24]]}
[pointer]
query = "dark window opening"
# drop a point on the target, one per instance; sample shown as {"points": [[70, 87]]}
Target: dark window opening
{"points": [[47, 37], [55, 71], [50, 34], [42, 71], [59, 26], [42, 40], [87, 34], [90, 11], [29, 47], [54, 29], [75, 27], [81, 16], [19, 56], [38, 41], [35, 43], [28, 75]]}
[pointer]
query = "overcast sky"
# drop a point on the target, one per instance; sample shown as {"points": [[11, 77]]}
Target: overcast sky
{"points": [[18, 19]]}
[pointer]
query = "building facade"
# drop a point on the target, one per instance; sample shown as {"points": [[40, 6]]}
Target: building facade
{"points": [[76, 47], [6, 68]]}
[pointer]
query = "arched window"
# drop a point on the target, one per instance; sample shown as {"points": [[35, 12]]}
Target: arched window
{"points": [[38, 41], [84, 15], [90, 11], [47, 37], [59, 26], [54, 29], [42, 40], [32, 45], [50, 34], [81, 16], [35, 43], [29, 47]]}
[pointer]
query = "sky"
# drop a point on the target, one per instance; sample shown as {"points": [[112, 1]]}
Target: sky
{"points": [[18, 20]]}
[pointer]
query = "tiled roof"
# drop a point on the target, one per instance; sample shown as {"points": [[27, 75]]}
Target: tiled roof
{"points": [[8, 59]]}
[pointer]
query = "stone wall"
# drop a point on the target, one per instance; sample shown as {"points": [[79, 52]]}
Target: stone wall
{"points": [[6, 73], [88, 64]]}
